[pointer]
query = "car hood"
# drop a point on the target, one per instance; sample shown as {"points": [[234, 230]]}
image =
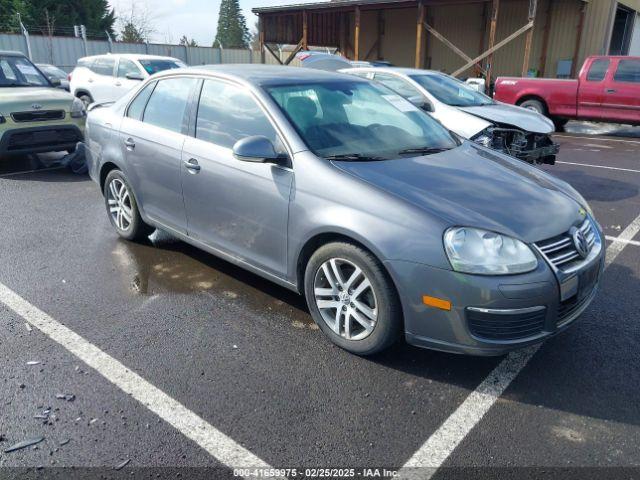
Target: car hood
{"points": [[462, 123], [512, 115], [472, 186], [22, 99]]}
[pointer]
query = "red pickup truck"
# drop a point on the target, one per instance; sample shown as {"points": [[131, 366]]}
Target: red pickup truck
{"points": [[607, 89]]}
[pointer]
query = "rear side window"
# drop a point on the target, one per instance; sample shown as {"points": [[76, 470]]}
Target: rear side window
{"points": [[598, 70], [104, 66], [168, 103], [628, 71], [227, 113], [136, 108], [398, 85]]}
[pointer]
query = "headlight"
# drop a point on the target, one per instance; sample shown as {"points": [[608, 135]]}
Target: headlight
{"points": [[484, 138], [471, 250], [77, 109]]}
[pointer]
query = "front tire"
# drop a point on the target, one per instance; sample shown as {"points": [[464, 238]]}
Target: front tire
{"points": [[122, 208], [352, 298]]}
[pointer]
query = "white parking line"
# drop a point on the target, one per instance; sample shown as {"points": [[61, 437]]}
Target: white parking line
{"points": [[616, 239], [442, 442], [599, 139], [599, 166], [216, 443]]}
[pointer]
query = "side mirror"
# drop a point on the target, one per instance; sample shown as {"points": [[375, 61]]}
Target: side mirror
{"points": [[55, 81], [422, 103], [134, 76], [257, 149]]}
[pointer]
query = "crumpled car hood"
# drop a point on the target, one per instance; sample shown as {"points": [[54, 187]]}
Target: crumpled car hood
{"points": [[511, 115]]}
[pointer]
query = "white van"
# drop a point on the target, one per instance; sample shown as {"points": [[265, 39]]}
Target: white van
{"points": [[106, 78]]}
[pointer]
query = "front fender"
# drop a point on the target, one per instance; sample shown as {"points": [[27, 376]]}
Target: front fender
{"points": [[391, 228]]}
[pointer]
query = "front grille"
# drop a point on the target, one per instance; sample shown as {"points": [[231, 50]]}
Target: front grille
{"points": [[51, 137], [561, 251], [506, 326], [38, 116]]}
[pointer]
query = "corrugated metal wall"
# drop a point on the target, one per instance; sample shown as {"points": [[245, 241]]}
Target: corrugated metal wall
{"points": [[65, 51], [597, 28]]}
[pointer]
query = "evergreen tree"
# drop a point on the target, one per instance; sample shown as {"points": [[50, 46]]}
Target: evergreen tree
{"points": [[59, 16], [131, 34], [232, 29], [186, 42], [8, 14]]}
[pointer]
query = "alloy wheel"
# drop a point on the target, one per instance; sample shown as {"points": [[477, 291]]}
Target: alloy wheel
{"points": [[119, 200], [345, 298]]}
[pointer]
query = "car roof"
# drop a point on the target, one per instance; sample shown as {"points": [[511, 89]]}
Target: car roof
{"points": [[263, 75], [400, 70], [12, 53], [131, 56]]}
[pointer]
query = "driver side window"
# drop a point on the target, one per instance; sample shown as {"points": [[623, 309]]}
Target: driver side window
{"points": [[228, 113]]}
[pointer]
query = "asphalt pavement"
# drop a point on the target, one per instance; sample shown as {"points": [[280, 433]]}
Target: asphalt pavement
{"points": [[227, 366]]}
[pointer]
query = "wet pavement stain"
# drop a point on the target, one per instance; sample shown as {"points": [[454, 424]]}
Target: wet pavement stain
{"points": [[166, 265]]}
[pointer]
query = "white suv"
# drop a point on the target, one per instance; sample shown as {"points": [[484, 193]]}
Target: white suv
{"points": [[106, 78]]}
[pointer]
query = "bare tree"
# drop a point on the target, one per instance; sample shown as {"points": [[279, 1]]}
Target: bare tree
{"points": [[137, 24]]}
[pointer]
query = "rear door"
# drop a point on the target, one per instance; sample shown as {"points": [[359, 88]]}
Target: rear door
{"points": [[101, 79], [241, 208], [121, 83], [152, 135], [592, 89], [622, 93]]}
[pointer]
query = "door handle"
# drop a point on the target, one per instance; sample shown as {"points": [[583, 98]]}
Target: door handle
{"points": [[611, 90], [130, 144], [192, 165], [118, 84], [90, 80]]}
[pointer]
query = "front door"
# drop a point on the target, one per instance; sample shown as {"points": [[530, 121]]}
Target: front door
{"points": [[240, 208], [122, 84], [592, 89], [622, 95], [152, 136]]}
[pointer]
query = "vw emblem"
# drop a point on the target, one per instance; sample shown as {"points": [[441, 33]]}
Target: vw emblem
{"points": [[580, 242], [36, 106]]}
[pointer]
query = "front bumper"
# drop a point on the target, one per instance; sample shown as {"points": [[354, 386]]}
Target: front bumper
{"points": [[490, 315], [40, 139]]}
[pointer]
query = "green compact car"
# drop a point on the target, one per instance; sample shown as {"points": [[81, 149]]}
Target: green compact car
{"points": [[35, 116]]}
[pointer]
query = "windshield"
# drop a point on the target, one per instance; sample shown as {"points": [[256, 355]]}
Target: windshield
{"points": [[155, 66], [20, 72], [54, 72], [359, 120], [451, 91]]}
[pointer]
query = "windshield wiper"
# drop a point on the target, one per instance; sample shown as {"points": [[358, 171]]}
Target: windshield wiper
{"points": [[354, 157], [423, 150]]}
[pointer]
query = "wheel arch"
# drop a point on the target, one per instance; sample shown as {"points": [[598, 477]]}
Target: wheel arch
{"points": [[312, 244], [531, 96], [105, 169]]}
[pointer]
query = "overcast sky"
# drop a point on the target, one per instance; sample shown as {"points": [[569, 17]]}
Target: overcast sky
{"points": [[195, 18]]}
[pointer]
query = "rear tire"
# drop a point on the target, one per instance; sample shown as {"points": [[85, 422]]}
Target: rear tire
{"points": [[535, 105], [358, 308], [122, 208], [559, 123]]}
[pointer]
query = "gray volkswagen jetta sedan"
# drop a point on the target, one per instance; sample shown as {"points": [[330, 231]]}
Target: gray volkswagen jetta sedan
{"points": [[343, 191]]}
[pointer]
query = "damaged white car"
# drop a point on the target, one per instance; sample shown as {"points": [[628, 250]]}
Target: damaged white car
{"points": [[519, 132]]}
